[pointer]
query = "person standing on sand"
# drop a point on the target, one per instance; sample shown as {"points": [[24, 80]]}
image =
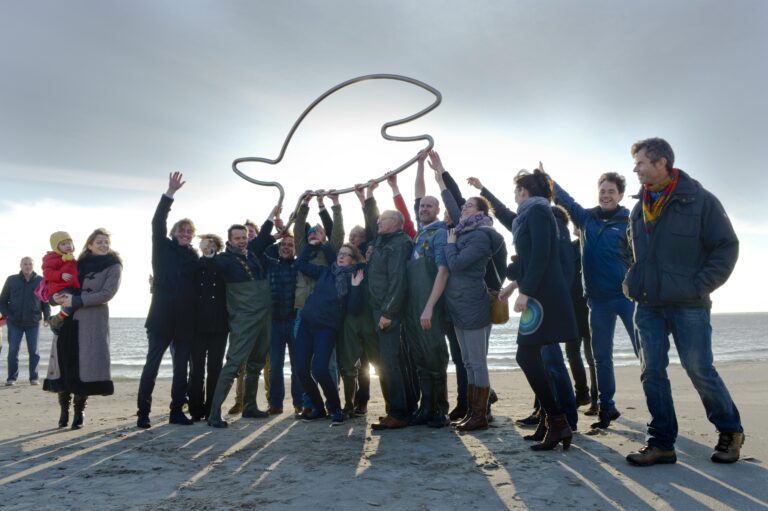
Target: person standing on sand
{"points": [[243, 266], [22, 310], [174, 300], [684, 247], [80, 352], [605, 258]]}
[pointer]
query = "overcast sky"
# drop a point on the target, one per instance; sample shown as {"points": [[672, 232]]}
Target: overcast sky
{"points": [[100, 100]]}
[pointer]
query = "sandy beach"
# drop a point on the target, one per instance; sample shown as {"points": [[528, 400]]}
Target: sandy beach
{"points": [[281, 463]]}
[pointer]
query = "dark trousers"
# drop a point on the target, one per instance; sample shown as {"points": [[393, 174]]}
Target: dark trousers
{"points": [[180, 354], [458, 362], [201, 388], [314, 348], [530, 361], [552, 357], [282, 337], [392, 372]]}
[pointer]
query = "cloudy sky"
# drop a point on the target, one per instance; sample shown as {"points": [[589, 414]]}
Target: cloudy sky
{"points": [[100, 100]]}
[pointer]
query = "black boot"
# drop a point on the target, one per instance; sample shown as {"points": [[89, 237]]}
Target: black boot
{"points": [[424, 413], [541, 430], [439, 417], [64, 399], [250, 388], [79, 402], [558, 431], [606, 416]]}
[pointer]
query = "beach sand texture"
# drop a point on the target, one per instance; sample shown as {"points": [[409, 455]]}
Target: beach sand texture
{"points": [[281, 463]]}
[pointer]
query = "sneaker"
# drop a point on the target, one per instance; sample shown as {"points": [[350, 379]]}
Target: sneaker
{"points": [[337, 418], [728, 448], [10, 383], [649, 455], [34, 382]]}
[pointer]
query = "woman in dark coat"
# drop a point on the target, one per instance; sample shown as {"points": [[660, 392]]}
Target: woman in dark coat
{"points": [[470, 247], [543, 299], [211, 332], [80, 357]]}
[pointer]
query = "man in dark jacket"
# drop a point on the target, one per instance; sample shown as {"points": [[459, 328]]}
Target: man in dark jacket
{"points": [[605, 258], [387, 287], [22, 310], [684, 248], [174, 302], [249, 304]]}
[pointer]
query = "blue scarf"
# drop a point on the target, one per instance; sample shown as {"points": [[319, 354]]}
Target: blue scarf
{"points": [[523, 209]]}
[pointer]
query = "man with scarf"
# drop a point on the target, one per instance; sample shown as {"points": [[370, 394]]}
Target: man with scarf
{"points": [[249, 304], [684, 248], [605, 258]]}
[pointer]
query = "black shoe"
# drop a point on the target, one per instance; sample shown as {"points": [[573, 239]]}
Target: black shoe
{"points": [[254, 413], [531, 420], [143, 422], [606, 416], [180, 418], [218, 423], [77, 420]]}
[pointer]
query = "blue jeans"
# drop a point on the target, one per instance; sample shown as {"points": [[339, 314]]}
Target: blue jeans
{"points": [[692, 333], [314, 350], [15, 333], [602, 323], [333, 367], [282, 336], [180, 351], [552, 356]]}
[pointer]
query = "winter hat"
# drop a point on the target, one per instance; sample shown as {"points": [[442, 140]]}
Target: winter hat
{"points": [[56, 238]]}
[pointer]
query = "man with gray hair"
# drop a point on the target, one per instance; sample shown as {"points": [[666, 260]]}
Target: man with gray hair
{"points": [[387, 287], [22, 310], [684, 248]]}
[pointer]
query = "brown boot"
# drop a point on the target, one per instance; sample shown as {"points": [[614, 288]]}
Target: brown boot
{"points": [[541, 430], [728, 448], [478, 406], [470, 398], [458, 413], [558, 431]]}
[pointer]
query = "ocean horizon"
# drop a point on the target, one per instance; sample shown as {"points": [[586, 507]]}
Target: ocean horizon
{"points": [[735, 337]]}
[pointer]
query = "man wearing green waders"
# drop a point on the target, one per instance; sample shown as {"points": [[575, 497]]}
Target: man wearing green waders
{"points": [[249, 304], [427, 274]]}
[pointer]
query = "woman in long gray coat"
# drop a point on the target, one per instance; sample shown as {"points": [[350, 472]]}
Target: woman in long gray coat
{"points": [[80, 357], [470, 246]]}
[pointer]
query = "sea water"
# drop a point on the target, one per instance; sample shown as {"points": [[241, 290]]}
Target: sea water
{"points": [[736, 337]]}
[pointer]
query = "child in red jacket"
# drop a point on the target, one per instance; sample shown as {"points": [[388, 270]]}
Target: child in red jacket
{"points": [[60, 274]]}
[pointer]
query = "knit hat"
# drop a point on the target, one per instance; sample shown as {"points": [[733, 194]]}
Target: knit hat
{"points": [[56, 238]]}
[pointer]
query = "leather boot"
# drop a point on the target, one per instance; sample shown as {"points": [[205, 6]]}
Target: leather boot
{"points": [[64, 399], [424, 413], [458, 413], [470, 399], [79, 405], [479, 406], [558, 431], [440, 402], [728, 448], [250, 388], [541, 429], [350, 390]]}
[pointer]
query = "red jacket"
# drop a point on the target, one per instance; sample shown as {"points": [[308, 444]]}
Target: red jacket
{"points": [[53, 267]]}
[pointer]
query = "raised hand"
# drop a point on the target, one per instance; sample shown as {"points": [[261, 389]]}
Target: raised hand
{"points": [[435, 162], [320, 198], [372, 185], [360, 192], [334, 197], [306, 197], [358, 277], [473, 181], [174, 182]]}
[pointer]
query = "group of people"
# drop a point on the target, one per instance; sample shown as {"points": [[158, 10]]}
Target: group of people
{"points": [[395, 290]]}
